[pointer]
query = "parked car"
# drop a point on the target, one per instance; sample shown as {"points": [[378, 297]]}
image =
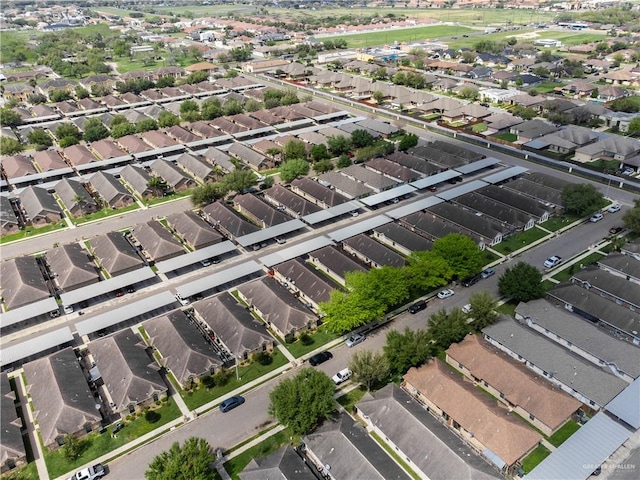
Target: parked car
{"points": [[231, 403], [467, 308], [206, 262], [596, 217], [89, 473], [467, 282], [614, 208], [68, 309], [416, 307], [319, 358], [552, 261], [488, 272], [54, 313], [281, 240], [446, 293], [354, 340], [342, 376], [615, 230]]}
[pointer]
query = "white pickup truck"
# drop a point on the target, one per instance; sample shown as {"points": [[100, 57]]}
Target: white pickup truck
{"points": [[90, 473]]}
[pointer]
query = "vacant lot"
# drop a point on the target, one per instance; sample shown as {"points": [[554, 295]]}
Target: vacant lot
{"points": [[419, 34]]}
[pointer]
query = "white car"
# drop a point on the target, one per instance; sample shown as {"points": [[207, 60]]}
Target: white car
{"points": [[68, 309], [467, 308], [446, 293], [614, 208], [552, 261], [596, 217], [342, 376]]}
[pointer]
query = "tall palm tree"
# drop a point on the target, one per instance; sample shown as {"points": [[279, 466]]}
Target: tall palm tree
{"points": [[157, 185], [79, 200]]}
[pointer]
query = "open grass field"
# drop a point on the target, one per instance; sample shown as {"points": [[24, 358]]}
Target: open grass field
{"points": [[418, 34]]}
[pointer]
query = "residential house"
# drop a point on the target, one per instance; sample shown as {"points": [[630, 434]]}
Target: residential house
{"points": [[39, 206], [419, 438], [13, 453], [228, 222], [517, 201], [280, 310], [16, 166], [183, 349], [131, 378], [258, 211], [235, 329], [311, 287], [565, 140], [284, 463], [27, 284], [49, 160], [8, 217], [173, 178], [196, 168], [372, 253], [107, 149], [133, 144], [62, 401], [78, 155], [287, 201], [75, 197], [392, 170], [348, 186], [193, 229], [545, 407], [17, 91], [413, 162], [579, 89], [433, 227], [487, 428], [489, 230], [531, 129], [316, 193], [590, 384], [181, 135], [512, 218], [100, 80], [609, 93], [401, 239], [335, 263], [138, 180], [158, 139], [111, 190], [157, 242], [115, 254], [251, 158], [625, 150], [71, 267], [219, 159]]}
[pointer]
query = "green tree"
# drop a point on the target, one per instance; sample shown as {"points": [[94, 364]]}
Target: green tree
{"points": [[292, 169], [167, 119], [361, 138], [410, 348], [295, 150], [634, 126], [469, 92], [189, 106], [166, 81], [369, 368], [238, 180], [323, 166], [339, 144], [344, 311], [211, 109], [207, 193], [9, 117], [10, 146], [94, 130], [121, 129], [157, 185], [524, 113], [483, 310], [41, 139], [522, 282], [232, 107], [378, 96], [59, 95], [461, 253], [631, 217], [450, 327], [146, 124], [191, 461], [319, 152], [68, 133], [409, 140], [582, 199], [344, 161], [304, 401], [82, 92], [426, 271], [386, 285], [252, 105]]}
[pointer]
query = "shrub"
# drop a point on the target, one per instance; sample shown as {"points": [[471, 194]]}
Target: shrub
{"points": [[264, 358], [152, 416], [306, 339], [208, 381], [222, 378]]}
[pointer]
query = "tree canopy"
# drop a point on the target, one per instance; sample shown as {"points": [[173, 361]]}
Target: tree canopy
{"points": [[295, 150], [582, 198], [187, 462], [238, 180], [483, 310], [410, 348], [461, 253], [292, 169], [369, 368], [304, 401], [522, 282], [631, 218], [41, 139], [449, 327], [10, 146], [94, 130]]}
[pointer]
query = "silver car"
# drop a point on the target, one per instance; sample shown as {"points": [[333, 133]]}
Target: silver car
{"points": [[354, 340]]}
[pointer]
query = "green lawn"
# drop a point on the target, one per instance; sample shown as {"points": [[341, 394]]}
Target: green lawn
{"points": [[203, 395], [418, 34], [490, 257], [104, 213], [520, 240], [571, 37], [567, 273], [508, 308], [563, 433], [320, 337], [534, 458], [479, 127], [31, 232], [557, 222], [263, 449], [98, 444], [546, 87], [430, 117], [168, 198], [548, 285], [350, 399], [506, 136]]}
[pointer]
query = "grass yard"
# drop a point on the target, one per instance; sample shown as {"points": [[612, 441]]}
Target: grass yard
{"points": [[567, 273], [479, 127], [534, 458], [508, 308], [350, 399], [419, 34], [563, 433], [548, 285], [520, 240], [547, 87], [98, 444], [263, 449], [506, 136], [319, 337], [168, 198], [489, 257], [570, 37], [31, 232], [557, 222], [203, 395], [104, 213]]}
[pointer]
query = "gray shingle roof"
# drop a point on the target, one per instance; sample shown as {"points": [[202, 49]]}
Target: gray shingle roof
{"points": [[622, 263], [258, 209], [110, 189], [196, 167], [61, 396], [585, 378], [67, 189], [158, 242], [171, 174], [38, 202], [321, 193], [280, 195], [345, 184], [225, 219], [193, 229], [137, 178], [11, 442], [405, 238], [374, 251], [71, 266], [27, 284], [335, 260], [282, 464], [314, 286], [130, 375], [115, 253]]}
